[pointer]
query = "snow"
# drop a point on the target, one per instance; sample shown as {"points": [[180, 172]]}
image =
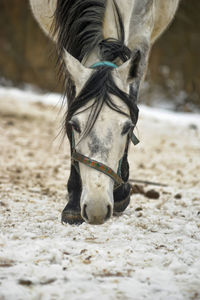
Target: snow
{"points": [[29, 95], [164, 115], [151, 251]]}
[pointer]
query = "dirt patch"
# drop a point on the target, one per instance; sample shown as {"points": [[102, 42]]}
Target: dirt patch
{"points": [[32, 160]]}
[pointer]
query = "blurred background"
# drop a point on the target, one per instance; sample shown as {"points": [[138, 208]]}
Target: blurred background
{"points": [[27, 57]]}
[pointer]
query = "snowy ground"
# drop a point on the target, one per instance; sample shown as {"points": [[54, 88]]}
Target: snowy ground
{"points": [[151, 251]]}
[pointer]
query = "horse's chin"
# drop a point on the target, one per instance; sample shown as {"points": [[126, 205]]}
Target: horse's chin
{"points": [[95, 221]]}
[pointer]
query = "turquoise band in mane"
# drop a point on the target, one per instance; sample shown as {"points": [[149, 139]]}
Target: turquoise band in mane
{"points": [[103, 63]]}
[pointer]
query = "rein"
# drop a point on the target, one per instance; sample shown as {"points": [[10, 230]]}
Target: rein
{"points": [[80, 158]]}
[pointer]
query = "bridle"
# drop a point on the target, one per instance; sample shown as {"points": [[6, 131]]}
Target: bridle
{"points": [[80, 158]]}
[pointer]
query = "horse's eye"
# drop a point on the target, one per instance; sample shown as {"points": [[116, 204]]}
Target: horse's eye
{"points": [[126, 128], [76, 126]]}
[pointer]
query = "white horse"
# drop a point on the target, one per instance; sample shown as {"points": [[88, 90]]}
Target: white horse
{"points": [[103, 49]]}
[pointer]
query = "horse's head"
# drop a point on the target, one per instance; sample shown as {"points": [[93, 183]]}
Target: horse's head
{"points": [[100, 121]]}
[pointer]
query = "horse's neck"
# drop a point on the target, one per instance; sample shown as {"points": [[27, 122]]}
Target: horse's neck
{"points": [[110, 27], [143, 20]]}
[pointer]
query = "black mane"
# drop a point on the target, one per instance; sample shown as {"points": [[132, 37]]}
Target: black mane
{"points": [[78, 25]]}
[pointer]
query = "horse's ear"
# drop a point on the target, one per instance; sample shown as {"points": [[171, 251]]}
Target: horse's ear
{"points": [[130, 69], [79, 74]]}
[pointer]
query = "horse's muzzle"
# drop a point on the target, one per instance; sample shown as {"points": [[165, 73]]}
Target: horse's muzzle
{"points": [[96, 213]]}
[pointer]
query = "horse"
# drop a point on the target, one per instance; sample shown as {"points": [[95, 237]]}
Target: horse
{"points": [[103, 48]]}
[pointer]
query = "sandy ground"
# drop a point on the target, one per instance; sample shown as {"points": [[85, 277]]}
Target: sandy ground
{"points": [[151, 251]]}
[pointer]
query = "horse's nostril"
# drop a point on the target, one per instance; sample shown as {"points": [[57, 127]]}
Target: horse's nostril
{"points": [[108, 215], [85, 216]]}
